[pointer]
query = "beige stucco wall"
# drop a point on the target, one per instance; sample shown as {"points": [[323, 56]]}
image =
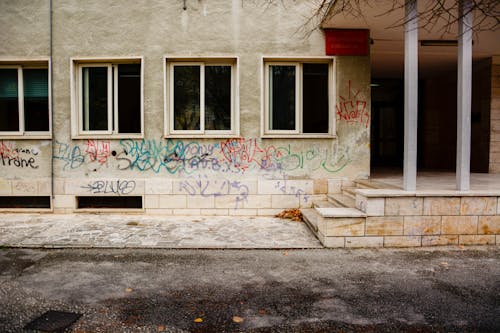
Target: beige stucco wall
{"points": [[153, 29]]}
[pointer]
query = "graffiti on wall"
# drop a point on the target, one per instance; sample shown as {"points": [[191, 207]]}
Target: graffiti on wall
{"points": [[292, 190], [234, 156], [71, 155], [18, 157], [231, 156], [119, 187], [209, 187], [170, 156], [180, 157], [352, 108], [98, 150]]}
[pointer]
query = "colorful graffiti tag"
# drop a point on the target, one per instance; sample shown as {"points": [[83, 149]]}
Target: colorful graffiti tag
{"points": [[231, 156]]}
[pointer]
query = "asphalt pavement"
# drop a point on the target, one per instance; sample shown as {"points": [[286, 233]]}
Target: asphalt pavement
{"points": [[451, 289]]}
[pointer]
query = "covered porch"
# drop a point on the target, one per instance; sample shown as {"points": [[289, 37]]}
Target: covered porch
{"points": [[434, 181]]}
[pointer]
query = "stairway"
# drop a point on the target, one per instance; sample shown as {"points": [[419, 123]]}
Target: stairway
{"points": [[339, 216]]}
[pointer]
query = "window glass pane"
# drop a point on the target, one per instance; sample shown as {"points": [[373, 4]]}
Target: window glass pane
{"points": [[315, 98], [9, 104], [282, 97], [186, 97], [95, 98], [129, 98], [36, 99], [218, 97]]}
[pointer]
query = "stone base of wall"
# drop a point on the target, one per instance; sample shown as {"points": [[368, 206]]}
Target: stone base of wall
{"points": [[189, 196]]}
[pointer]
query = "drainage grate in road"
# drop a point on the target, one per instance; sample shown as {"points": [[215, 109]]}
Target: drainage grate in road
{"points": [[53, 321]]}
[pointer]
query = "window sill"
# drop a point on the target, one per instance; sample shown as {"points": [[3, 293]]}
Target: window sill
{"points": [[298, 136], [201, 136], [107, 136], [26, 137]]}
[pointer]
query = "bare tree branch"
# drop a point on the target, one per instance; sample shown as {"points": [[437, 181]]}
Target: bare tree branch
{"points": [[436, 15]]}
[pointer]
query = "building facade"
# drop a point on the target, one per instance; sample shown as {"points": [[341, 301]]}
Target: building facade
{"points": [[231, 107], [219, 107]]}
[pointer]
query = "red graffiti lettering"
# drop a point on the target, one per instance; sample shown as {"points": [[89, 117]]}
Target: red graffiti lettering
{"points": [[353, 109], [242, 153], [98, 150]]}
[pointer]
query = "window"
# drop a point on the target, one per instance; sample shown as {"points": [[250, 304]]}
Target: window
{"points": [[24, 99], [298, 98], [201, 97], [109, 98]]}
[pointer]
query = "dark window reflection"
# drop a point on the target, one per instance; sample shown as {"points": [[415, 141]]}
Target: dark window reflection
{"points": [[9, 103], [282, 97], [95, 98], [315, 98], [129, 98], [186, 97], [36, 99], [218, 97]]}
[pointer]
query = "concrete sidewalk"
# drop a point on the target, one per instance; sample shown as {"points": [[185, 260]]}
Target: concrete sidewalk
{"points": [[138, 231]]}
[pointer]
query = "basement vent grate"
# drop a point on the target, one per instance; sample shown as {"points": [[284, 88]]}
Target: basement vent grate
{"points": [[53, 321], [131, 202], [25, 202]]}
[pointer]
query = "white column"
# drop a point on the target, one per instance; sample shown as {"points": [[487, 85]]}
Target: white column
{"points": [[464, 95], [411, 96]]}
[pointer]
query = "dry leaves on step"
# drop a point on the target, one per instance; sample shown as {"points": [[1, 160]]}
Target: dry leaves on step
{"points": [[133, 223], [293, 214], [237, 319]]}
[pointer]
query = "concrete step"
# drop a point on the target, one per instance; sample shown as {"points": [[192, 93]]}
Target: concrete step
{"points": [[373, 184], [364, 183], [331, 224], [340, 212], [350, 192], [324, 204], [311, 218], [341, 200]]}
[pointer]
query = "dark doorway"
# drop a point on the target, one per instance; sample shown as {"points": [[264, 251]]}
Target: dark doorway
{"points": [[387, 123]]}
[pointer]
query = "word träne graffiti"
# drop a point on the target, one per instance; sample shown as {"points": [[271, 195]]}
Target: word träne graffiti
{"points": [[19, 157]]}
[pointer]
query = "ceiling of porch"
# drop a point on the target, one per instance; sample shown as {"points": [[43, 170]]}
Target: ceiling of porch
{"points": [[387, 49]]}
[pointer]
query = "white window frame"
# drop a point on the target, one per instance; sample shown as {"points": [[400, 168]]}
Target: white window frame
{"points": [[77, 65], [169, 64], [298, 62], [20, 64]]}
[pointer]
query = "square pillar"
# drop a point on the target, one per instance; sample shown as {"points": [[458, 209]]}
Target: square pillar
{"points": [[464, 95], [411, 96]]}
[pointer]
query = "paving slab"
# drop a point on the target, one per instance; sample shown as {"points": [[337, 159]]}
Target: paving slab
{"points": [[137, 231]]}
